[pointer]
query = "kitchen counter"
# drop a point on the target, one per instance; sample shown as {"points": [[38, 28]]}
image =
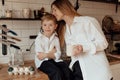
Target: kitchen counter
{"points": [[39, 75], [113, 59]]}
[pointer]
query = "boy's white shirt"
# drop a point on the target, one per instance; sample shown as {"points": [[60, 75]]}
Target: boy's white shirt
{"points": [[87, 32], [45, 44]]}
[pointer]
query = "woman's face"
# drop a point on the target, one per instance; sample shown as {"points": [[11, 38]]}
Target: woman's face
{"points": [[48, 27], [57, 13]]}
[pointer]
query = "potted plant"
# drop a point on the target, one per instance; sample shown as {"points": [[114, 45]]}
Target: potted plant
{"points": [[31, 70], [10, 70]]}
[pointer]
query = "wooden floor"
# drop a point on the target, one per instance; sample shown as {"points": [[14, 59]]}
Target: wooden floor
{"points": [[37, 76]]}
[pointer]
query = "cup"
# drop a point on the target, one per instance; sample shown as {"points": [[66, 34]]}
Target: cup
{"points": [[9, 13], [69, 50], [26, 13]]}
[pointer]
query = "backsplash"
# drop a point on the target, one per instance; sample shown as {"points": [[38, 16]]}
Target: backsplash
{"points": [[26, 28]]}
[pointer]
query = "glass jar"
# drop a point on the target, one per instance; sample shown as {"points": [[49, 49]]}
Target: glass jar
{"points": [[16, 58], [9, 13]]}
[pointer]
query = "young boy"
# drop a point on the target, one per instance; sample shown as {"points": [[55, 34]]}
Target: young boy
{"points": [[47, 47]]}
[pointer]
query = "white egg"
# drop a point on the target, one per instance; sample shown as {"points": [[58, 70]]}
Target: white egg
{"points": [[15, 70], [21, 71], [26, 70]]}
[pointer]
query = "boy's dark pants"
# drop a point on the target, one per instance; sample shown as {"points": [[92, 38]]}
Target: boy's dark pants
{"points": [[56, 70]]}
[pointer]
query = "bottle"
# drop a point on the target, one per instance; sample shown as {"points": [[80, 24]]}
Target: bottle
{"points": [[3, 12], [26, 13], [3, 9]]}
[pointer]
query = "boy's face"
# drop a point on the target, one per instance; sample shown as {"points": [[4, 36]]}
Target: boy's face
{"points": [[48, 27]]}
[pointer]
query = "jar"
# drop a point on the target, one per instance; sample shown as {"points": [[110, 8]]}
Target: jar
{"points": [[26, 13], [9, 13]]}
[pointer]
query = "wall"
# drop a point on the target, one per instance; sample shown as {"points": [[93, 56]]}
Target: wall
{"points": [[27, 28], [99, 10]]}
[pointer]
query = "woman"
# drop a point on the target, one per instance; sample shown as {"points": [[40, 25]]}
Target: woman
{"points": [[84, 34]]}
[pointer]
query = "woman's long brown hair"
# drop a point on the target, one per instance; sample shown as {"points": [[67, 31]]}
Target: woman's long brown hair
{"points": [[66, 8], [61, 31]]}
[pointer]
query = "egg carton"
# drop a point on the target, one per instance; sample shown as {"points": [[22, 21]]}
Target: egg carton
{"points": [[21, 70]]}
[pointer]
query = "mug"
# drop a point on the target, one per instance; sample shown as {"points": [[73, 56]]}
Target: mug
{"points": [[26, 13], [9, 13]]}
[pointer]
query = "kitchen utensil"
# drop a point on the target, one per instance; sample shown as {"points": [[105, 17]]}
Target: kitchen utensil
{"points": [[11, 37], [4, 47], [7, 30], [12, 42], [5, 42]]}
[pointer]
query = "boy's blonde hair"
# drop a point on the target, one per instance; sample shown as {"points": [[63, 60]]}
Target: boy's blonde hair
{"points": [[49, 16]]}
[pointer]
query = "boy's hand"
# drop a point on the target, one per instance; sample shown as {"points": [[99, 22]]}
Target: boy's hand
{"points": [[42, 56]]}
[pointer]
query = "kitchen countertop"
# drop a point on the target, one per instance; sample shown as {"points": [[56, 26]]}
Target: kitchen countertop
{"points": [[113, 59], [39, 75]]}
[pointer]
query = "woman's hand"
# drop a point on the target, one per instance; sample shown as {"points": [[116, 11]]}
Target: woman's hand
{"points": [[77, 49], [41, 55]]}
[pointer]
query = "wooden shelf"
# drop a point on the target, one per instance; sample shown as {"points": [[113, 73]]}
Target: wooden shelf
{"points": [[104, 1], [30, 19]]}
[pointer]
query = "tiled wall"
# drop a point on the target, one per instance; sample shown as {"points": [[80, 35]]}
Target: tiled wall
{"points": [[27, 28], [99, 10]]}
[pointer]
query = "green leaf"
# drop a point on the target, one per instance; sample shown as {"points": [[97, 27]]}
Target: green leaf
{"points": [[32, 68], [10, 69]]}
